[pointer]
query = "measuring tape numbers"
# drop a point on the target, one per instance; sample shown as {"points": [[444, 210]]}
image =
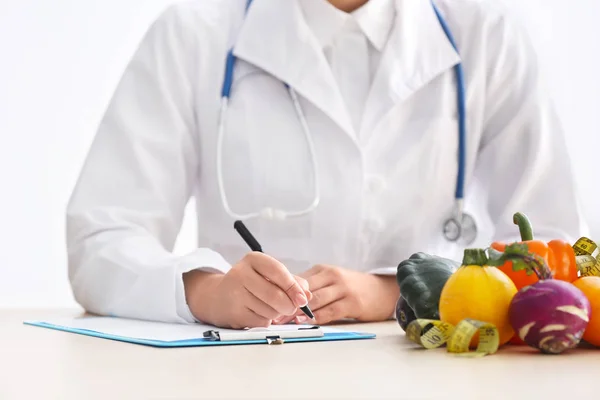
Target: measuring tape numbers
{"points": [[432, 334], [584, 246], [587, 264]]}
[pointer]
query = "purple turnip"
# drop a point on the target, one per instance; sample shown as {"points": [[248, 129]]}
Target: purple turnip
{"points": [[549, 315]]}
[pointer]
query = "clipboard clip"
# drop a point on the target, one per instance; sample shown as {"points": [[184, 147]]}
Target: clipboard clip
{"points": [[212, 335], [309, 327], [271, 336], [275, 340]]}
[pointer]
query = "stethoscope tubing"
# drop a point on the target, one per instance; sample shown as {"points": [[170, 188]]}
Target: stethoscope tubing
{"points": [[458, 216]]}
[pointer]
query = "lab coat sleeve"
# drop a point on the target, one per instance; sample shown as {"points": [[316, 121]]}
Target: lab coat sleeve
{"points": [[127, 207], [523, 162], [386, 271]]}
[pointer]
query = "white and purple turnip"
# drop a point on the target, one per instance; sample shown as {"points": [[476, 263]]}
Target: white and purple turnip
{"points": [[550, 315]]}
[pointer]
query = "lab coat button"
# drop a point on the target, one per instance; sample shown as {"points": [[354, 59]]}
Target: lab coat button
{"points": [[376, 184]]}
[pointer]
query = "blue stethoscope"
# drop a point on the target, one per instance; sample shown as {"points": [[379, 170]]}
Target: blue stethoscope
{"points": [[460, 226]]}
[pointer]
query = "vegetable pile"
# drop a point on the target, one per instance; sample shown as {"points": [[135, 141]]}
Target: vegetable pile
{"points": [[542, 295]]}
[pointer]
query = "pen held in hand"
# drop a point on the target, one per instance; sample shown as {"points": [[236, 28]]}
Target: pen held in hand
{"points": [[255, 246]]}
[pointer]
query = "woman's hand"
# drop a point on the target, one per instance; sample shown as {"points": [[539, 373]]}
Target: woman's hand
{"points": [[257, 290], [339, 293]]}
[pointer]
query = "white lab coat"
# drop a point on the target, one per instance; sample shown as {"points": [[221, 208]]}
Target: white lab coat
{"points": [[385, 191]]}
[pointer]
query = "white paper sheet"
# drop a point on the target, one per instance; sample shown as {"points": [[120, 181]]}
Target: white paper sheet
{"points": [[149, 330]]}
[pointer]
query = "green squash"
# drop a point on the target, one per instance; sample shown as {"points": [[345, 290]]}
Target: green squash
{"points": [[421, 279]]}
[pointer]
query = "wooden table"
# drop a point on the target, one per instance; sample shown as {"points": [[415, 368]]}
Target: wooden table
{"points": [[39, 363]]}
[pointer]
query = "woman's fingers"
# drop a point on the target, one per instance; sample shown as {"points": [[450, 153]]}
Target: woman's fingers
{"points": [[269, 293], [333, 311], [305, 286], [276, 273], [260, 307], [319, 277], [324, 296], [251, 319], [285, 319]]}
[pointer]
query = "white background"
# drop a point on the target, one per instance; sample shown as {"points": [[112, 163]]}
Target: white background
{"points": [[61, 59]]}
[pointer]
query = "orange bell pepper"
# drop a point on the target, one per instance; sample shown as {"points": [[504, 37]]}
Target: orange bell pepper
{"points": [[558, 254]]}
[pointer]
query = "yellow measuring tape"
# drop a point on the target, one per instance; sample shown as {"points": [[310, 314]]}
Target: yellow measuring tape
{"points": [[586, 263], [432, 334], [584, 246]]}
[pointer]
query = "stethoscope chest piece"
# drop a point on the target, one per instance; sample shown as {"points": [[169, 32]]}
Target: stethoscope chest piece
{"points": [[464, 232]]}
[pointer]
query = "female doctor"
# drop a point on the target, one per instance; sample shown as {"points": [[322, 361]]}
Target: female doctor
{"points": [[345, 134]]}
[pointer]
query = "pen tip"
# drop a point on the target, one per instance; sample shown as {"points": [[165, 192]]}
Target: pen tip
{"points": [[308, 312]]}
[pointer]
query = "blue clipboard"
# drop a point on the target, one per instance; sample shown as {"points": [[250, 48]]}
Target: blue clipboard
{"points": [[207, 336]]}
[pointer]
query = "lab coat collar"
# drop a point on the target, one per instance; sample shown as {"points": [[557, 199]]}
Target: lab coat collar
{"points": [[276, 38], [323, 19], [417, 51], [375, 19]]}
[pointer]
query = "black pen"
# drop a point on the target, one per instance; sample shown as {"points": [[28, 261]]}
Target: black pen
{"points": [[255, 246]]}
